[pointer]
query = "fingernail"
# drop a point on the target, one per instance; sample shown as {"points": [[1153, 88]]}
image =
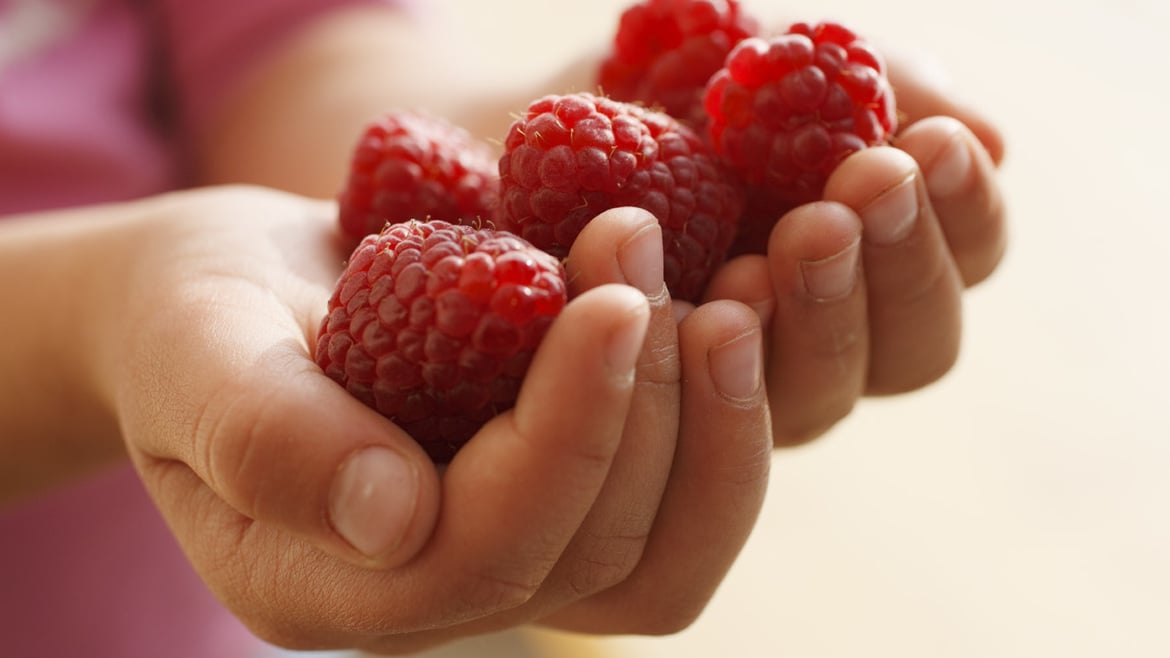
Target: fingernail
{"points": [[890, 217], [950, 169], [735, 366], [640, 258], [625, 344], [833, 277], [373, 500]]}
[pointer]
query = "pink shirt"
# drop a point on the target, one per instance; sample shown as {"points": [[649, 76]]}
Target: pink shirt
{"points": [[96, 97]]}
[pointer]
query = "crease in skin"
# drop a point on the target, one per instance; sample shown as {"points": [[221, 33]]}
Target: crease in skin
{"points": [[834, 345], [659, 365]]}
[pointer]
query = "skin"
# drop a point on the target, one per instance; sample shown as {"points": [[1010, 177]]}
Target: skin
{"points": [[175, 331]]}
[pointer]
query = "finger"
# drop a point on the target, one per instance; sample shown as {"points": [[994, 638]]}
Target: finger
{"points": [[961, 180], [922, 90], [716, 486], [819, 358], [624, 245], [518, 492], [912, 284]]}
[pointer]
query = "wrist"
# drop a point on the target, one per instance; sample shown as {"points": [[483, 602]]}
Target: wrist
{"points": [[60, 274]]}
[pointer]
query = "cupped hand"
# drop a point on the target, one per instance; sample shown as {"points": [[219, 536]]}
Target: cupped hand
{"points": [[321, 524], [861, 292]]}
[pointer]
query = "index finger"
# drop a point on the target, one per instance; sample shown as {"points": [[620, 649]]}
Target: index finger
{"points": [[515, 495]]}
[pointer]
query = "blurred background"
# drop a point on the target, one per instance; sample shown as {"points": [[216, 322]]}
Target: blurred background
{"points": [[1021, 506]]}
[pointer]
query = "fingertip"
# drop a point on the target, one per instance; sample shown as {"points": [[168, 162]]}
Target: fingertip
{"points": [[991, 138], [640, 259], [633, 217], [816, 252], [731, 337], [882, 185], [815, 231], [981, 131], [620, 245], [382, 504], [868, 168], [735, 365], [947, 151], [382, 498], [868, 181]]}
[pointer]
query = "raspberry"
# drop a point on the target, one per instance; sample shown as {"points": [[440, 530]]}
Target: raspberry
{"points": [[407, 165], [665, 50], [785, 111], [434, 324], [569, 158]]}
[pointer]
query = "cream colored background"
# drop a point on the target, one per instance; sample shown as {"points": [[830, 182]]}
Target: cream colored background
{"points": [[1021, 507]]}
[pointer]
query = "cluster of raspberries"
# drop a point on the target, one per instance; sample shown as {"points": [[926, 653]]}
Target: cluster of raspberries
{"points": [[712, 127]]}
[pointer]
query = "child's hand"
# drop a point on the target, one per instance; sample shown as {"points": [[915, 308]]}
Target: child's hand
{"points": [[321, 524], [861, 292]]}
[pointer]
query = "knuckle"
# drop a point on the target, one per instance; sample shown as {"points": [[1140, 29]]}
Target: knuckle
{"points": [[590, 576], [920, 286], [608, 561], [237, 433], [835, 341], [227, 439], [489, 592]]}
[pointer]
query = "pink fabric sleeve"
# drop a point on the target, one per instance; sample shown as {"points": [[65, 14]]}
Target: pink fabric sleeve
{"points": [[212, 43]]}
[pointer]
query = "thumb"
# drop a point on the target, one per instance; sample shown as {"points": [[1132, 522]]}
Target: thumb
{"points": [[283, 445]]}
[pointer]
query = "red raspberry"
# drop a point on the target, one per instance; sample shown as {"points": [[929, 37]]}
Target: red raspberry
{"points": [[665, 50], [569, 158], [433, 325], [407, 165], [784, 112]]}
